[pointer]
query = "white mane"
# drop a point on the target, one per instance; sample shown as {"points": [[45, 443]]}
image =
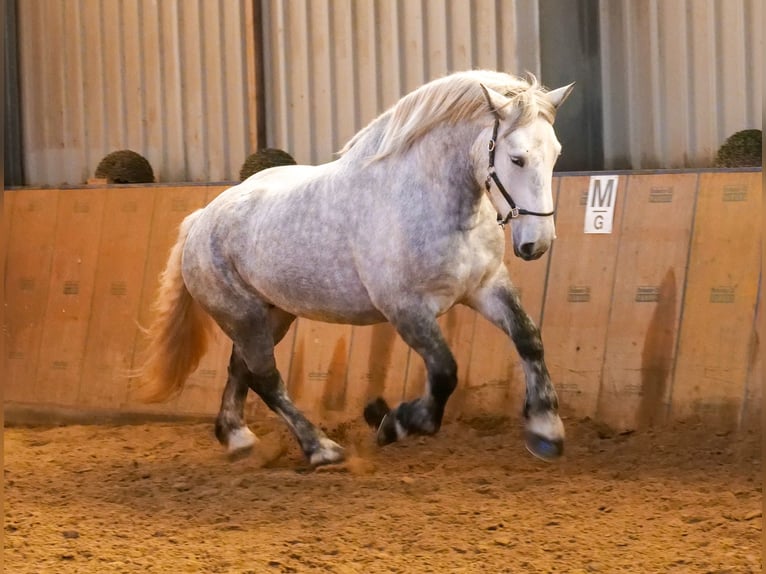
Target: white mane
{"points": [[451, 99]]}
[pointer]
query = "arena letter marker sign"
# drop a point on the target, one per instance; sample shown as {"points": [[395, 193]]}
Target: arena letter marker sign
{"points": [[599, 209]]}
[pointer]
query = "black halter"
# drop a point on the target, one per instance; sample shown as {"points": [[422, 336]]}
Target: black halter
{"points": [[515, 211]]}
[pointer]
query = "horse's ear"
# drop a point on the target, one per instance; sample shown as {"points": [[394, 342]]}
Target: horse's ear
{"points": [[495, 100], [556, 97]]}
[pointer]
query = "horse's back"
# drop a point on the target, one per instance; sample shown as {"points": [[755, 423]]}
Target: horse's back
{"points": [[281, 236]]}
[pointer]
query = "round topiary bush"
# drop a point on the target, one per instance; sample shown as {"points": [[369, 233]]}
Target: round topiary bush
{"points": [[263, 159], [125, 166], [743, 149]]}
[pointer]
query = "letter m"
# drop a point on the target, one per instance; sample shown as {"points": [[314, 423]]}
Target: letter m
{"points": [[602, 196]]}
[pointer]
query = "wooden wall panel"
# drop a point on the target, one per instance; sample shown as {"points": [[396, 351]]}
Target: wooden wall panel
{"points": [[578, 297], [82, 266], [29, 248], [721, 293], [6, 209], [646, 302], [70, 295], [113, 328], [317, 378], [6, 206], [752, 401]]}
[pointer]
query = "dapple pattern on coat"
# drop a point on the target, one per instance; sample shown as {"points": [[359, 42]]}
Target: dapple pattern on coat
{"points": [[399, 228]]}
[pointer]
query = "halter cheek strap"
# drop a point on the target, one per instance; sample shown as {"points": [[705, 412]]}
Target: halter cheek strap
{"points": [[492, 176]]}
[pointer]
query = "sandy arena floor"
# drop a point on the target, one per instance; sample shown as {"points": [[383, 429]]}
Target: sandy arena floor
{"points": [[164, 498]]}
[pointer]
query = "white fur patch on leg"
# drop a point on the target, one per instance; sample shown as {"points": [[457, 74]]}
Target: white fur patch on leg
{"points": [[241, 439], [547, 425], [328, 452]]}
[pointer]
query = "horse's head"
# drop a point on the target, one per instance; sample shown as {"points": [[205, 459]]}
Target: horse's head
{"points": [[516, 154]]}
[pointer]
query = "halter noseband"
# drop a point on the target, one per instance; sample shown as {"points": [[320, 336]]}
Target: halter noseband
{"points": [[492, 176]]}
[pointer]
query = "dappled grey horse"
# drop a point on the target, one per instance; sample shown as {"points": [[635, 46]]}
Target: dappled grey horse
{"points": [[400, 228]]}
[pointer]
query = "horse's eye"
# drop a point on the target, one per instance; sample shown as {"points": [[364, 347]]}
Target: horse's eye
{"points": [[518, 161]]}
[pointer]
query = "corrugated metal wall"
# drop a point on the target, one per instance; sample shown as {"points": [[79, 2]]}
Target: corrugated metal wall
{"points": [[166, 78], [679, 77], [175, 79], [334, 65]]}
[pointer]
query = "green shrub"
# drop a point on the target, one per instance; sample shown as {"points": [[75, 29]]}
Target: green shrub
{"points": [[743, 149], [263, 159], [125, 166]]}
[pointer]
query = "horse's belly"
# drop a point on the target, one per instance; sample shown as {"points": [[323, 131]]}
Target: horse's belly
{"points": [[331, 308], [321, 293]]}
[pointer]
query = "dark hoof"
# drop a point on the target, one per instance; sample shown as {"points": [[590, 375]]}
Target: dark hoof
{"points": [[375, 412], [387, 430], [543, 448]]}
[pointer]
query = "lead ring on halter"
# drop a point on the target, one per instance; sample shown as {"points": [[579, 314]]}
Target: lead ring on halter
{"points": [[492, 176]]}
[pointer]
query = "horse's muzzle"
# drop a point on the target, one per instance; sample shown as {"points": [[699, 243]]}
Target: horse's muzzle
{"points": [[529, 251]]}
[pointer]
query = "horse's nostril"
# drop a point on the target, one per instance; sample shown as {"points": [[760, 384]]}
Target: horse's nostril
{"points": [[527, 249]]}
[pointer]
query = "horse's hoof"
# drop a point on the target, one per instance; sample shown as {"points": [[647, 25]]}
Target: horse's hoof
{"points": [[544, 435], [240, 443], [329, 452], [375, 412], [544, 448], [389, 431]]}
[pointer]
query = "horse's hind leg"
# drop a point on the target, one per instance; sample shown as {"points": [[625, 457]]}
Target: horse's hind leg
{"points": [[423, 415], [230, 427], [499, 303], [253, 365], [317, 448]]}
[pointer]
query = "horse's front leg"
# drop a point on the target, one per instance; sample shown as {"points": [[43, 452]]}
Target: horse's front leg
{"points": [[499, 303], [420, 331]]}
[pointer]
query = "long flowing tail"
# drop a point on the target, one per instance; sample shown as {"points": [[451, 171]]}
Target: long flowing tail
{"points": [[178, 333]]}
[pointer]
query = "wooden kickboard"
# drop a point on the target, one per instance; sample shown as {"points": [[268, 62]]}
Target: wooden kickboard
{"points": [[317, 382], [70, 295], [377, 367], [646, 302], [721, 293], [6, 206], [171, 206], [495, 380], [6, 211], [752, 407], [29, 250], [119, 275], [578, 297]]}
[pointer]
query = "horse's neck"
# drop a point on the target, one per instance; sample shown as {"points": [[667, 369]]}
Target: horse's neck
{"points": [[439, 165], [441, 162]]}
